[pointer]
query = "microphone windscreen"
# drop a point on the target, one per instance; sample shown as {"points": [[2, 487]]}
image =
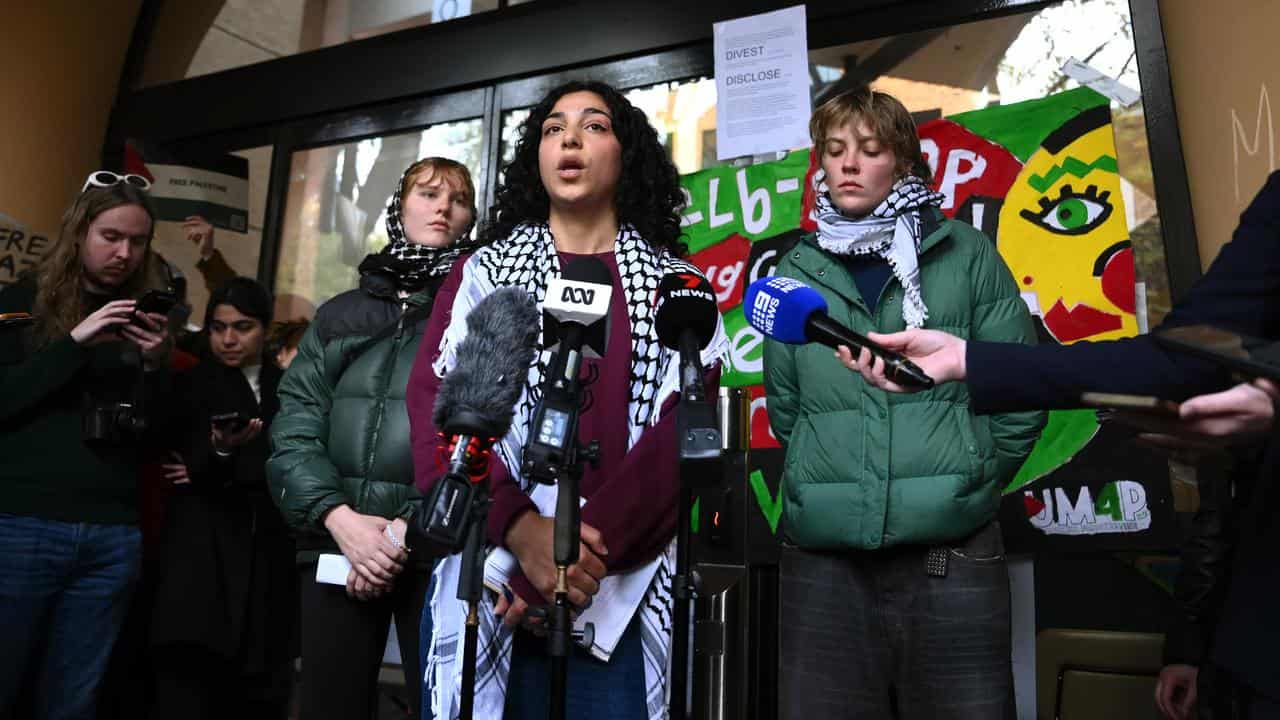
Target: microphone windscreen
{"points": [[587, 269], [779, 307], [685, 302], [478, 396]]}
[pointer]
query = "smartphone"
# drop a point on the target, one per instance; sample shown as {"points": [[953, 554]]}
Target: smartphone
{"points": [[1145, 404], [155, 301], [229, 422], [1247, 356], [16, 319]]}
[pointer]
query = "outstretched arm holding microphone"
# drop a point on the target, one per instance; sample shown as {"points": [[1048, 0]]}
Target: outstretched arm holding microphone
{"points": [[1240, 292], [1244, 410]]}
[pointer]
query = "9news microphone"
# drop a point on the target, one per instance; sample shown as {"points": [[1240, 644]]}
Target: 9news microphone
{"points": [[475, 407], [791, 312], [686, 321]]}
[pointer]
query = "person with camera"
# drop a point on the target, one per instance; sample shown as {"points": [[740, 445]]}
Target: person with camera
{"points": [[77, 378], [223, 627], [341, 469]]}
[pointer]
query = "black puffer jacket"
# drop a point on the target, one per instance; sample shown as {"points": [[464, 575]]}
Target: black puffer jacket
{"points": [[342, 433]]}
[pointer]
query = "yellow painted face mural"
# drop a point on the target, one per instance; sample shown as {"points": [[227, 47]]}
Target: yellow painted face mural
{"points": [[1064, 236]]}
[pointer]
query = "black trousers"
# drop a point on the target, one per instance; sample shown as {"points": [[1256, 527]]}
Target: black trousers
{"points": [[870, 634], [343, 640], [195, 684]]}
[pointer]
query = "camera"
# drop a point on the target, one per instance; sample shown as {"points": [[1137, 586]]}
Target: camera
{"points": [[113, 423]]}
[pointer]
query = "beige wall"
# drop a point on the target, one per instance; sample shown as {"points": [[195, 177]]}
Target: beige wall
{"points": [[64, 59], [1224, 62], [179, 30]]}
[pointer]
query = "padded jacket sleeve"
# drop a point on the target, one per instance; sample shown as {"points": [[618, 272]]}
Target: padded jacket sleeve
{"points": [[1000, 315]]}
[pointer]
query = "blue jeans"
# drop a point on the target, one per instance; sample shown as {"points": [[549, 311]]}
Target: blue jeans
{"points": [[613, 690], [64, 591]]}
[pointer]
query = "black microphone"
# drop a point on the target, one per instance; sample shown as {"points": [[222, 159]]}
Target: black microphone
{"points": [[476, 405], [686, 321]]}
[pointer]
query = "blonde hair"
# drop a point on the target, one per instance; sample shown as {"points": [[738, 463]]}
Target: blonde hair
{"points": [[886, 118], [59, 304]]}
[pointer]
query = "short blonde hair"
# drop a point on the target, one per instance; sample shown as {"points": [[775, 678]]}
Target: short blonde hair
{"points": [[886, 118]]}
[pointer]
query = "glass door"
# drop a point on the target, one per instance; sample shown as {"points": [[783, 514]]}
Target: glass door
{"points": [[341, 176]]}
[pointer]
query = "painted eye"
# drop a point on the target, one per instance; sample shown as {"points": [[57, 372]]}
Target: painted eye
{"points": [[1072, 213]]}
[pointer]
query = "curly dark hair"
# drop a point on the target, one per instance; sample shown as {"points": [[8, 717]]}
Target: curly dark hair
{"points": [[648, 195]]}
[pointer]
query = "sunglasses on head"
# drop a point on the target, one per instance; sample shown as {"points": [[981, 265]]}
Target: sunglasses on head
{"points": [[106, 178]]}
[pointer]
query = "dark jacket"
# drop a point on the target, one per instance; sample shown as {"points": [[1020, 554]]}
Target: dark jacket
{"points": [[867, 469], [227, 581], [47, 469], [1202, 577], [343, 432], [1240, 291]]}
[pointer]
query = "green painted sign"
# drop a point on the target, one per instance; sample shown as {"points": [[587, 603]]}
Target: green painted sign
{"points": [[756, 202]]}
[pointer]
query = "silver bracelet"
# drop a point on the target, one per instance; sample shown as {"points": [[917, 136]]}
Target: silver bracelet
{"points": [[395, 541]]}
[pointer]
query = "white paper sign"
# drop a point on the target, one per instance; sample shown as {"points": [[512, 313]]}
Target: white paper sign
{"points": [[762, 83], [218, 192]]}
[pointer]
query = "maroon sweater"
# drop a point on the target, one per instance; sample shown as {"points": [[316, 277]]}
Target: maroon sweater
{"points": [[631, 498]]}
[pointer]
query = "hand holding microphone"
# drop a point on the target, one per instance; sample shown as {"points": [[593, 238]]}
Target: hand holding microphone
{"points": [[791, 312], [940, 355]]}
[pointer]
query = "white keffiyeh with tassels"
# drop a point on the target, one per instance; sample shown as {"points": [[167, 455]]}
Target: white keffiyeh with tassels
{"points": [[891, 231], [528, 259]]}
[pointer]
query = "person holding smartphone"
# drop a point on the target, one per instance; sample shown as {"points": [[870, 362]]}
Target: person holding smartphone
{"points": [[77, 390], [223, 628]]}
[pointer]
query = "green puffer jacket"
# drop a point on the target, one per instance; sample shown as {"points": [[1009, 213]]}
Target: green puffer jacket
{"points": [[343, 436], [869, 469]]}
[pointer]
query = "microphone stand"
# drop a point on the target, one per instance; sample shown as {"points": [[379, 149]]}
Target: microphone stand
{"points": [[471, 581], [555, 456], [452, 519], [700, 447]]}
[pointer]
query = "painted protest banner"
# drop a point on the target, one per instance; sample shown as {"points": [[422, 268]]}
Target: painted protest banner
{"points": [[1041, 179]]}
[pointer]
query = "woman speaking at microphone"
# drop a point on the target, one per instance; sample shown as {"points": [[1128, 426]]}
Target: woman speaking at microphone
{"points": [[893, 579], [340, 469], [589, 180]]}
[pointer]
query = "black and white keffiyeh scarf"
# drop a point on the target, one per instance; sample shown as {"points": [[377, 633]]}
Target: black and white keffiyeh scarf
{"points": [[891, 231], [528, 259], [412, 264]]}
